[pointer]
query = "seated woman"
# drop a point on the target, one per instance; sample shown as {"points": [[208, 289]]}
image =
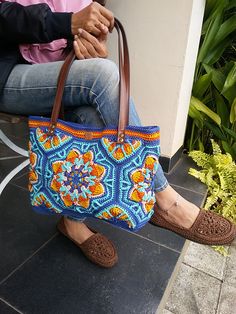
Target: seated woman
{"points": [[35, 38]]}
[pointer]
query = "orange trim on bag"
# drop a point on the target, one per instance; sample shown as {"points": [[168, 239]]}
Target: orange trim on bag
{"points": [[95, 134]]}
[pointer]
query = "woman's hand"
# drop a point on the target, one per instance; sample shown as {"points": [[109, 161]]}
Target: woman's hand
{"points": [[87, 46], [94, 18]]}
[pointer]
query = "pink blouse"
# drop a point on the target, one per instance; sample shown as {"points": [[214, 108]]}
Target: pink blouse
{"points": [[54, 51]]}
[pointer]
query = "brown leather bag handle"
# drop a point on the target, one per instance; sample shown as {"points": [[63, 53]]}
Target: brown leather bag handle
{"points": [[124, 69]]}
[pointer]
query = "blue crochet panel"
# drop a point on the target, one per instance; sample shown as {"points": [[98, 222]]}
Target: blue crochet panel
{"points": [[83, 172]]}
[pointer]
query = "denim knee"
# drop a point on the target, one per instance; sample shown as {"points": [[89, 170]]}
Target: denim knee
{"points": [[109, 73]]}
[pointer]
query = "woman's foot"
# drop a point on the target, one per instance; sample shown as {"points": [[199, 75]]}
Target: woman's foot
{"points": [[78, 231], [174, 213], [175, 208], [95, 246]]}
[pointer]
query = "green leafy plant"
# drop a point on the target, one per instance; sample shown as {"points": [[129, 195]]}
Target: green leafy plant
{"points": [[219, 174], [212, 109]]}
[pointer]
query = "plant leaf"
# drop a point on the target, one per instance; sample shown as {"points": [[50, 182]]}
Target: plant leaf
{"points": [[203, 108], [216, 131], [230, 132], [213, 8], [218, 78], [196, 116], [227, 67], [221, 108], [225, 29], [200, 145], [215, 147], [207, 98], [230, 80], [232, 4], [202, 84], [232, 116], [209, 37], [215, 53], [230, 94], [227, 148]]}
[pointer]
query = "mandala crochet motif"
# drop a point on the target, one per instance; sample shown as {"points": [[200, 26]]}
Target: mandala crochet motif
{"points": [[77, 178]]}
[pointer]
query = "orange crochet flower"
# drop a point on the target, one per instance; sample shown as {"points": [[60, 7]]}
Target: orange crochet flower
{"points": [[41, 199], [77, 178], [142, 179], [50, 142], [115, 212], [33, 176], [121, 151]]}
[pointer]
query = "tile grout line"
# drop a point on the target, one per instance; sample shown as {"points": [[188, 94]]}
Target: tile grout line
{"points": [[10, 157], [25, 261], [142, 237], [172, 279], [202, 271], [23, 174], [218, 300], [18, 186], [224, 273], [183, 188], [11, 306]]}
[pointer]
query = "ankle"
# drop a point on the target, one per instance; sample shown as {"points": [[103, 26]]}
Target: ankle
{"points": [[77, 230], [73, 223], [172, 206], [167, 198]]}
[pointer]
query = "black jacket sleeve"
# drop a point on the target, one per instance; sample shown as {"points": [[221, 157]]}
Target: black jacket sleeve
{"points": [[32, 24]]}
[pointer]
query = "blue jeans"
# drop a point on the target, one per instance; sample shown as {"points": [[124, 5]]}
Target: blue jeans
{"points": [[91, 95]]}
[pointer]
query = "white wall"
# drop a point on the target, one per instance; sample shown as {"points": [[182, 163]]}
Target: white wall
{"points": [[163, 37]]}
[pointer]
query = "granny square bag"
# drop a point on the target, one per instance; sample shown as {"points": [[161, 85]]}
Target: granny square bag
{"points": [[81, 171]]}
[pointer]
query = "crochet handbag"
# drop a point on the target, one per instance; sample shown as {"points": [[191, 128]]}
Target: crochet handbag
{"points": [[81, 171]]}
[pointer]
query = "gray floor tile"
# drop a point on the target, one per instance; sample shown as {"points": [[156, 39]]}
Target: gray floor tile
{"points": [[19, 130], [162, 236], [227, 302], [6, 151], [201, 257], [179, 176], [22, 180], [165, 312], [194, 292], [18, 133], [8, 165], [6, 309], [230, 271], [22, 231], [59, 279], [22, 142]]}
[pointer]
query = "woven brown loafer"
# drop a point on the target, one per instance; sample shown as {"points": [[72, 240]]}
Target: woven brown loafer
{"points": [[208, 228], [97, 248]]}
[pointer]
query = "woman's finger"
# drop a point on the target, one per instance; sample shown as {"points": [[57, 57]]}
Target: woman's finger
{"points": [[78, 53], [91, 28], [103, 28], [82, 48], [91, 39], [89, 47], [106, 16]]}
